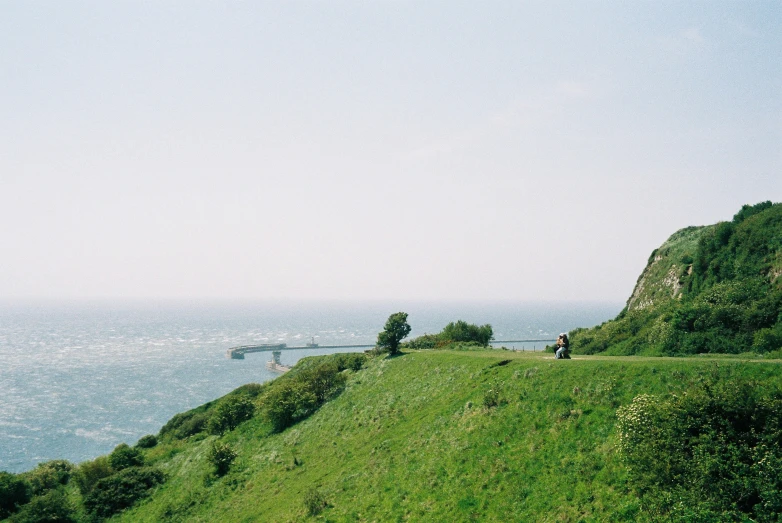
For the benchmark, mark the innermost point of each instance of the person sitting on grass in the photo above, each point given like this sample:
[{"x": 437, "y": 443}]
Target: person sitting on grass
[{"x": 562, "y": 350}]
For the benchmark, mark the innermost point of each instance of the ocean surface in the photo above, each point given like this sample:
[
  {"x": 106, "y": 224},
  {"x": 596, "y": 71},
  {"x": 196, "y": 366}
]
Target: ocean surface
[{"x": 77, "y": 379}]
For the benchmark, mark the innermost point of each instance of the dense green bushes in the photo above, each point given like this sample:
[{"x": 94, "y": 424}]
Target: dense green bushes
[
  {"x": 302, "y": 393},
  {"x": 229, "y": 413},
  {"x": 124, "y": 456},
  {"x": 455, "y": 332},
  {"x": 713, "y": 453},
  {"x": 121, "y": 490},
  {"x": 51, "y": 507},
  {"x": 282, "y": 402},
  {"x": 49, "y": 475},
  {"x": 14, "y": 492}
]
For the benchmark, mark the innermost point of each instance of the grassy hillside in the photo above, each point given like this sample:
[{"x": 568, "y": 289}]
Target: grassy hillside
[
  {"x": 485, "y": 435},
  {"x": 714, "y": 289}
]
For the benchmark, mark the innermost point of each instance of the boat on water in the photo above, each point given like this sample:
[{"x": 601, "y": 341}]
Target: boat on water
[{"x": 312, "y": 343}]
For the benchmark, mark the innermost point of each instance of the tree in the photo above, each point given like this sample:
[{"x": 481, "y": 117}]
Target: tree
[{"x": 394, "y": 332}]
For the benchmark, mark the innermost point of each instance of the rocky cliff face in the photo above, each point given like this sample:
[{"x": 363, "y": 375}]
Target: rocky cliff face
[
  {"x": 716, "y": 288},
  {"x": 668, "y": 270}
]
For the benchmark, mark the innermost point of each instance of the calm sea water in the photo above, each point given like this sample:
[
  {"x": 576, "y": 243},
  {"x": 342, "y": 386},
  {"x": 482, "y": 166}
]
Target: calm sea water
[{"x": 78, "y": 379}]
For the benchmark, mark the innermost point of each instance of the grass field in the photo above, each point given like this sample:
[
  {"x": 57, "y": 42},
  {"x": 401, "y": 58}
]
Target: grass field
[{"x": 487, "y": 435}]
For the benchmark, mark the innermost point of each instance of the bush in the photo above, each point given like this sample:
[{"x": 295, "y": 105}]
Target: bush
[
  {"x": 186, "y": 424},
  {"x": 221, "y": 456},
  {"x": 461, "y": 331},
  {"x": 90, "y": 472},
  {"x": 147, "y": 442},
  {"x": 123, "y": 457},
  {"x": 229, "y": 413},
  {"x": 49, "y": 475},
  {"x": 352, "y": 360},
  {"x": 722, "y": 445},
  {"x": 121, "y": 490},
  {"x": 287, "y": 403},
  {"x": 314, "y": 502},
  {"x": 302, "y": 391},
  {"x": 14, "y": 492},
  {"x": 52, "y": 507}
]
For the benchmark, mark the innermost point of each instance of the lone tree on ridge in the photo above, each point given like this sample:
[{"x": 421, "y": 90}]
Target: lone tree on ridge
[{"x": 394, "y": 332}]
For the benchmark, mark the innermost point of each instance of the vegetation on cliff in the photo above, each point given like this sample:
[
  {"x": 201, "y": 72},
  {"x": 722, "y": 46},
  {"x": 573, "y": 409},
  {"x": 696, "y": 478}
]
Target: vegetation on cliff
[{"x": 714, "y": 289}]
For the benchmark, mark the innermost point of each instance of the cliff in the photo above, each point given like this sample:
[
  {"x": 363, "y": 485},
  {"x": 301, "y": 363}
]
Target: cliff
[{"x": 714, "y": 288}]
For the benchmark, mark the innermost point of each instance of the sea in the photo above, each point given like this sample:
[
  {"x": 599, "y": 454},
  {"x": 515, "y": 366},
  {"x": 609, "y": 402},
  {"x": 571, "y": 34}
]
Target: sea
[{"x": 79, "y": 378}]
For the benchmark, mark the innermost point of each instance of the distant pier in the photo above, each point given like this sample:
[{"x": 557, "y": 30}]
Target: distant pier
[{"x": 237, "y": 353}]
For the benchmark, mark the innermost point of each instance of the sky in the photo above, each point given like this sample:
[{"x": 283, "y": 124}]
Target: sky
[{"x": 370, "y": 150}]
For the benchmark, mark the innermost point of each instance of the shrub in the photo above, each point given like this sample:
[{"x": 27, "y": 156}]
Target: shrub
[
  {"x": 722, "y": 445},
  {"x": 186, "y": 424},
  {"x": 52, "y": 507},
  {"x": 49, "y": 475},
  {"x": 14, "y": 491},
  {"x": 352, "y": 360},
  {"x": 221, "y": 456},
  {"x": 124, "y": 456},
  {"x": 468, "y": 332},
  {"x": 458, "y": 333},
  {"x": 314, "y": 502},
  {"x": 229, "y": 413},
  {"x": 90, "y": 472},
  {"x": 491, "y": 398},
  {"x": 288, "y": 402},
  {"x": 323, "y": 381},
  {"x": 121, "y": 490},
  {"x": 147, "y": 442}
]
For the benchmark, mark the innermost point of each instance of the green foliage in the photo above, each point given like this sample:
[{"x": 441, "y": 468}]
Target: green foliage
[
  {"x": 124, "y": 456},
  {"x": 302, "y": 391},
  {"x": 147, "y": 442},
  {"x": 456, "y": 334},
  {"x": 314, "y": 502},
  {"x": 186, "y": 424},
  {"x": 229, "y": 413},
  {"x": 461, "y": 331},
  {"x": 121, "y": 490},
  {"x": 353, "y": 361},
  {"x": 14, "y": 492},
  {"x": 427, "y": 341},
  {"x": 722, "y": 442},
  {"x": 49, "y": 475},
  {"x": 90, "y": 472},
  {"x": 287, "y": 403},
  {"x": 728, "y": 301},
  {"x": 51, "y": 507},
  {"x": 221, "y": 456},
  {"x": 393, "y": 333}
]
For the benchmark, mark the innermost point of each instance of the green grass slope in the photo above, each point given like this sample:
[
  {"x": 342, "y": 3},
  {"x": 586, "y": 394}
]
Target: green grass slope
[
  {"x": 714, "y": 289},
  {"x": 440, "y": 436}
]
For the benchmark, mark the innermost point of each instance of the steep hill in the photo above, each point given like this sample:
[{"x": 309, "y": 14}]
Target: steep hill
[
  {"x": 485, "y": 435},
  {"x": 706, "y": 289}
]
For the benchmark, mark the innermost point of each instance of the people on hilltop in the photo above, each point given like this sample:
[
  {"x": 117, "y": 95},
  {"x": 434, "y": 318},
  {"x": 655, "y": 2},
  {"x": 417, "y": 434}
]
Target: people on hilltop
[{"x": 563, "y": 347}]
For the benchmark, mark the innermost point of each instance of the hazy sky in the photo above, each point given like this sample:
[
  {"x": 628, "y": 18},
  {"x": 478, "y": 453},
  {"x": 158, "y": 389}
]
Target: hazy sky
[{"x": 375, "y": 150}]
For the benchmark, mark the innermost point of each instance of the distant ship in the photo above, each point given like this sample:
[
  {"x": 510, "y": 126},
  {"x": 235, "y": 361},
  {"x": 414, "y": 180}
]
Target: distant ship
[{"x": 312, "y": 344}]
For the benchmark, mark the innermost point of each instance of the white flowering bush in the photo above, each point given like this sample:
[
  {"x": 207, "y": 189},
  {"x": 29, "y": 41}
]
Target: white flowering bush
[
  {"x": 634, "y": 422},
  {"x": 713, "y": 453}
]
